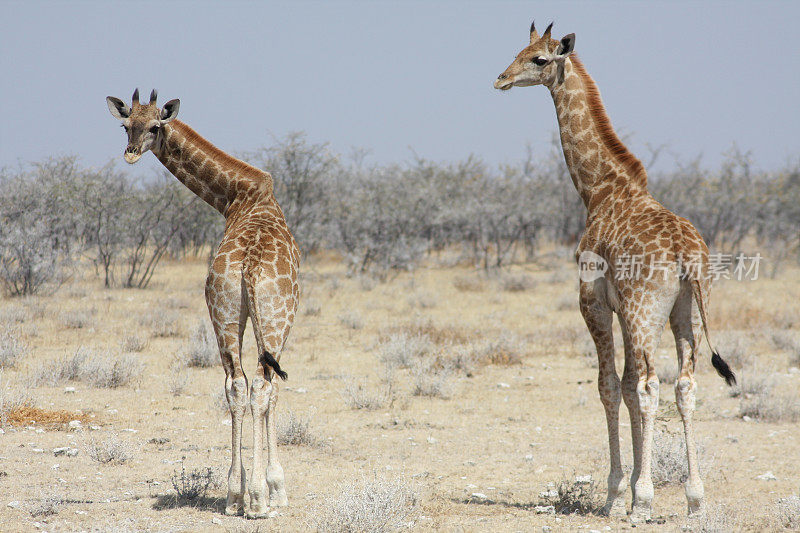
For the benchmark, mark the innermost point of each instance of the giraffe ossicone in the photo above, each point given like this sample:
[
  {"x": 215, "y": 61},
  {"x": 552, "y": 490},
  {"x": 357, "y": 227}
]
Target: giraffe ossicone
[
  {"x": 253, "y": 275},
  {"x": 624, "y": 220}
]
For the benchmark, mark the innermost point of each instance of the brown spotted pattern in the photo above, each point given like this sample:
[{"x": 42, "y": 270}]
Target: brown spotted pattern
[
  {"x": 625, "y": 221},
  {"x": 253, "y": 275}
]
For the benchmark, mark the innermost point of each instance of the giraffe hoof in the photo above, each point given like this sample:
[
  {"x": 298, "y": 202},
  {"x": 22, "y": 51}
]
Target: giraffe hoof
[
  {"x": 640, "y": 515},
  {"x": 615, "y": 509},
  {"x": 250, "y": 515},
  {"x": 234, "y": 510},
  {"x": 280, "y": 501}
]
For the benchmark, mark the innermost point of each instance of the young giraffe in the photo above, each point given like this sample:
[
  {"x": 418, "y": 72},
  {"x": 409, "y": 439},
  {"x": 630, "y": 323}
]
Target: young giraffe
[
  {"x": 254, "y": 273},
  {"x": 625, "y": 222}
]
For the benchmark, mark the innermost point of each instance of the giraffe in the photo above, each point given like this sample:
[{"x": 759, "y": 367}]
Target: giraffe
[
  {"x": 254, "y": 274},
  {"x": 625, "y": 222}
]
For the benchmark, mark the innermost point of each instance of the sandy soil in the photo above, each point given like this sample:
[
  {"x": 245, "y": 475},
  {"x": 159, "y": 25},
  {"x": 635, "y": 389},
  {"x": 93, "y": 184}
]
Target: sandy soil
[{"x": 504, "y": 431}]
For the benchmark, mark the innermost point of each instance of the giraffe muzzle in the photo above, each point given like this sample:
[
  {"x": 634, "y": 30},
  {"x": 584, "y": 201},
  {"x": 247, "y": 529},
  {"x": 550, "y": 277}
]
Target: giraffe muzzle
[
  {"x": 503, "y": 82},
  {"x": 132, "y": 155}
]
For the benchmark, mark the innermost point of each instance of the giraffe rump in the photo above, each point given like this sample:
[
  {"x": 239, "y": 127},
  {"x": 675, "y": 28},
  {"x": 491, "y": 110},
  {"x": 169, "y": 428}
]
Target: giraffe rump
[{"x": 270, "y": 360}]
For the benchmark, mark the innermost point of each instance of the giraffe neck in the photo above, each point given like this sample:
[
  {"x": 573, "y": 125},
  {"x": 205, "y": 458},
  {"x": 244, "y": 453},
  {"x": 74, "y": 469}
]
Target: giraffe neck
[
  {"x": 601, "y": 167},
  {"x": 216, "y": 177}
]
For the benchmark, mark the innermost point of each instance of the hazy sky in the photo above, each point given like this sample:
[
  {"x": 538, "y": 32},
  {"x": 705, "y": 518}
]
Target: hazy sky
[{"x": 396, "y": 76}]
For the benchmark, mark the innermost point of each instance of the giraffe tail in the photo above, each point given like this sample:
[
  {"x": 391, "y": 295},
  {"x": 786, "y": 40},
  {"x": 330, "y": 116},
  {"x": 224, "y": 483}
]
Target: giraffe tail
[
  {"x": 719, "y": 364},
  {"x": 272, "y": 362}
]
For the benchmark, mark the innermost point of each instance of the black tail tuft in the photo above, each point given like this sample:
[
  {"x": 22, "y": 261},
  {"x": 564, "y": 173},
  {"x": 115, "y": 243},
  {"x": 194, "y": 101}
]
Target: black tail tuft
[
  {"x": 270, "y": 360},
  {"x": 723, "y": 369}
]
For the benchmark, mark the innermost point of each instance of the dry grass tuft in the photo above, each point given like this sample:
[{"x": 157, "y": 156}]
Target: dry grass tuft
[
  {"x": 669, "y": 458},
  {"x": 111, "y": 451},
  {"x": 12, "y": 347},
  {"x": 203, "y": 351},
  {"x": 162, "y": 323},
  {"x": 376, "y": 505},
  {"x": 357, "y": 395},
  {"x": 78, "y": 319},
  {"x": 191, "y": 488},
  {"x": 504, "y": 349},
  {"x": 296, "y": 431},
  {"x": 48, "y": 504},
  {"x": 402, "y": 349},
  {"x": 351, "y": 319},
  {"x": 100, "y": 369},
  {"x": 133, "y": 343}
]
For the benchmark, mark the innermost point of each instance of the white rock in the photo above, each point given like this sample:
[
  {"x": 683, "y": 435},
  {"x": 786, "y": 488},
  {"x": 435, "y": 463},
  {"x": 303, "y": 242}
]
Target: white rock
[
  {"x": 72, "y": 452},
  {"x": 502, "y": 385},
  {"x": 301, "y": 390},
  {"x": 583, "y": 480},
  {"x": 14, "y": 504},
  {"x": 529, "y": 457},
  {"x": 94, "y": 428},
  {"x": 747, "y": 418},
  {"x": 479, "y": 495},
  {"x": 431, "y": 440},
  {"x": 216, "y": 520},
  {"x": 37, "y": 450},
  {"x": 767, "y": 476},
  {"x": 61, "y": 451},
  {"x": 551, "y": 493},
  {"x": 471, "y": 486},
  {"x": 544, "y": 509},
  {"x": 75, "y": 424},
  {"x": 272, "y": 514},
  {"x": 69, "y": 389},
  {"x": 546, "y": 529}
]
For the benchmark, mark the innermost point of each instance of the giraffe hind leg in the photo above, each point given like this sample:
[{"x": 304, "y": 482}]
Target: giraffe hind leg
[{"x": 687, "y": 330}]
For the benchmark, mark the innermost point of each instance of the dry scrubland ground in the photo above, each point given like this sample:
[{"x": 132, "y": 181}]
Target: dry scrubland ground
[{"x": 459, "y": 399}]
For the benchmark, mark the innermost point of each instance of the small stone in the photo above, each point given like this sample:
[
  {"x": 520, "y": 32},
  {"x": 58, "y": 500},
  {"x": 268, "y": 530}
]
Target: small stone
[
  {"x": 583, "y": 480},
  {"x": 544, "y": 509},
  {"x": 272, "y": 514},
  {"x": 529, "y": 457},
  {"x": 94, "y": 428},
  {"x": 216, "y": 520},
  {"x": 767, "y": 476},
  {"x": 301, "y": 390},
  {"x": 546, "y": 529},
  {"x": 72, "y": 452},
  {"x": 75, "y": 424},
  {"x": 431, "y": 440},
  {"x": 60, "y": 451},
  {"x": 14, "y": 504},
  {"x": 37, "y": 450},
  {"x": 746, "y": 418},
  {"x": 69, "y": 390},
  {"x": 479, "y": 496},
  {"x": 502, "y": 385},
  {"x": 471, "y": 486}
]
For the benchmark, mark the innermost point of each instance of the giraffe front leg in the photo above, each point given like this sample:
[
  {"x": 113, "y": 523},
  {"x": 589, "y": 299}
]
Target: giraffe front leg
[
  {"x": 598, "y": 320},
  {"x": 275, "y": 478},
  {"x": 236, "y": 393},
  {"x": 259, "y": 400}
]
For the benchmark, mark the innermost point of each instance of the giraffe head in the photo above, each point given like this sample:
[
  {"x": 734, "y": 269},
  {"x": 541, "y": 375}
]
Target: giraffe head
[
  {"x": 539, "y": 63},
  {"x": 142, "y": 123}
]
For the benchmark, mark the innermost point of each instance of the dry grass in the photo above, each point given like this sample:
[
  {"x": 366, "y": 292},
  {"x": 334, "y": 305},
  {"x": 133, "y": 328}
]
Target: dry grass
[
  {"x": 516, "y": 282},
  {"x": 12, "y": 347},
  {"x": 191, "y": 488},
  {"x": 48, "y": 504},
  {"x": 578, "y": 496},
  {"x": 669, "y": 459},
  {"x": 162, "y": 322},
  {"x": 203, "y": 351},
  {"x": 294, "y": 430},
  {"x": 99, "y": 368},
  {"x": 470, "y": 283},
  {"x": 133, "y": 343},
  {"x": 378, "y": 505},
  {"x": 111, "y": 451}
]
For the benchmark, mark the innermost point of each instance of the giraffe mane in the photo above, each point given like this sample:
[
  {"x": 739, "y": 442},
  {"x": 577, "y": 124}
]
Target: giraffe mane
[
  {"x": 215, "y": 153},
  {"x": 605, "y": 130}
]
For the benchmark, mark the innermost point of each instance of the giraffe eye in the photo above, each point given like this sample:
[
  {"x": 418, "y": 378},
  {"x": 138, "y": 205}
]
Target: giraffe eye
[{"x": 539, "y": 61}]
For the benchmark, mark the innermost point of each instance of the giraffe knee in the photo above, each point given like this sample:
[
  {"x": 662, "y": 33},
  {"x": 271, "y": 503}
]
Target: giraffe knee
[
  {"x": 260, "y": 391},
  {"x": 236, "y": 393},
  {"x": 647, "y": 393},
  {"x": 685, "y": 395}
]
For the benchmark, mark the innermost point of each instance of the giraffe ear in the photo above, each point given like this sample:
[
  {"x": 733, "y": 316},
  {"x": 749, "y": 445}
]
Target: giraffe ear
[
  {"x": 567, "y": 45},
  {"x": 170, "y": 111},
  {"x": 118, "y": 108}
]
